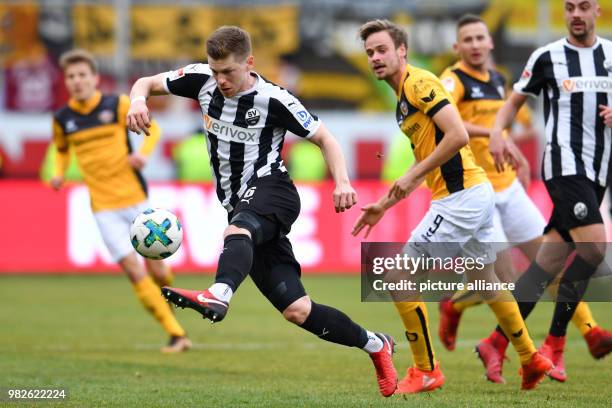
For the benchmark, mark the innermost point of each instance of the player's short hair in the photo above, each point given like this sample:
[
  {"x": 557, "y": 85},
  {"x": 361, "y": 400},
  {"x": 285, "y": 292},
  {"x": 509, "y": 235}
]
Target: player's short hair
[
  {"x": 397, "y": 33},
  {"x": 228, "y": 40},
  {"x": 76, "y": 56},
  {"x": 468, "y": 19}
]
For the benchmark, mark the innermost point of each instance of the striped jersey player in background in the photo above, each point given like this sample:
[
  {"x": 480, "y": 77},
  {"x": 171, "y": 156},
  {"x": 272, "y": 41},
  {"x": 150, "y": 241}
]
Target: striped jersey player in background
[
  {"x": 574, "y": 76},
  {"x": 246, "y": 118},
  {"x": 93, "y": 125},
  {"x": 479, "y": 93}
]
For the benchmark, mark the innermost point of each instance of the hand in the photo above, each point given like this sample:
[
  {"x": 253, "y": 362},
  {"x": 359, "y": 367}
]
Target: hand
[
  {"x": 606, "y": 114},
  {"x": 344, "y": 197},
  {"x": 404, "y": 186},
  {"x": 501, "y": 151},
  {"x": 371, "y": 214},
  {"x": 57, "y": 182},
  {"x": 139, "y": 118},
  {"x": 137, "y": 160}
]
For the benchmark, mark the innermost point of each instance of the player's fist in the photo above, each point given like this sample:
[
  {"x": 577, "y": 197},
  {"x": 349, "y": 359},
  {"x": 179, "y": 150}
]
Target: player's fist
[
  {"x": 344, "y": 197},
  {"x": 137, "y": 160},
  {"x": 57, "y": 182},
  {"x": 605, "y": 112},
  {"x": 370, "y": 215},
  {"x": 139, "y": 117}
]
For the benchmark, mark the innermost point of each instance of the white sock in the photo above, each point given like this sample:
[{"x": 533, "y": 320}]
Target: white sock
[
  {"x": 374, "y": 343},
  {"x": 221, "y": 291}
]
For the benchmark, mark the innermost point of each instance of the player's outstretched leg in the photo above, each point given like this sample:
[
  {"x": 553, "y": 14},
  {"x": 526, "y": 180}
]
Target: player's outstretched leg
[
  {"x": 332, "y": 325},
  {"x": 451, "y": 310},
  {"x": 234, "y": 265},
  {"x": 425, "y": 375}
]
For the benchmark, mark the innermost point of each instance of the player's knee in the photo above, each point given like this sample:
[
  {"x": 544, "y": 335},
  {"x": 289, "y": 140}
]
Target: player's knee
[
  {"x": 132, "y": 267},
  {"x": 298, "y": 311},
  {"x": 234, "y": 230},
  {"x": 592, "y": 253}
]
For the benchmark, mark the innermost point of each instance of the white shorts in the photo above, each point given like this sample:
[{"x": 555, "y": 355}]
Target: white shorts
[
  {"x": 460, "y": 224},
  {"x": 114, "y": 226},
  {"x": 516, "y": 219}
]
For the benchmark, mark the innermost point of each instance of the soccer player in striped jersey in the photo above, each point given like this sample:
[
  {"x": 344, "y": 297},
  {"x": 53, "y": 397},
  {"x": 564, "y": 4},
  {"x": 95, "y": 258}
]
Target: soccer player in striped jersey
[
  {"x": 479, "y": 94},
  {"x": 459, "y": 222},
  {"x": 93, "y": 125},
  {"x": 574, "y": 75},
  {"x": 245, "y": 120}
]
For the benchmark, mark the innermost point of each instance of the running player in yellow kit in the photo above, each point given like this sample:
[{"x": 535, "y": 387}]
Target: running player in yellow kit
[
  {"x": 461, "y": 212},
  {"x": 94, "y": 126}
]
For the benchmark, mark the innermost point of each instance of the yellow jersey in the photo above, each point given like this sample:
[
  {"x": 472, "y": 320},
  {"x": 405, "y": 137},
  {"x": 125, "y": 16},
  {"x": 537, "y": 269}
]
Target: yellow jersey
[
  {"x": 479, "y": 97},
  {"x": 96, "y": 131},
  {"x": 420, "y": 96}
]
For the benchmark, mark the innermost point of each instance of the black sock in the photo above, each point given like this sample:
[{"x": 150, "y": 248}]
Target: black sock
[
  {"x": 573, "y": 284},
  {"x": 235, "y": 261},
  {"x": 529, "y": 289},
  {"x": 332, "y": 325}
]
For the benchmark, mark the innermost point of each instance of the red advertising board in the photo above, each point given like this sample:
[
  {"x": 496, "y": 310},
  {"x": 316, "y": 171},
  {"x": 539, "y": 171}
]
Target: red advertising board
[{"x": 48, "y": 231}]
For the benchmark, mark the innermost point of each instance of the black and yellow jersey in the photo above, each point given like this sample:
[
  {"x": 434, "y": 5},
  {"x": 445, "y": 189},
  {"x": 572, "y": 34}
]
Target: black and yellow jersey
[
  {"x": 96, "y": 131},
  {"x": 420, "y": 96},
  {"x": 479, "y": 97}
]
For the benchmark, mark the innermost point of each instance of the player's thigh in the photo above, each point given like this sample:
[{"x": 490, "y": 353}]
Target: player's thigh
[
  {"x": 520, "y": 218},
  {"x": 115, "y": 231},
  {"x": 277, "y": 274}
]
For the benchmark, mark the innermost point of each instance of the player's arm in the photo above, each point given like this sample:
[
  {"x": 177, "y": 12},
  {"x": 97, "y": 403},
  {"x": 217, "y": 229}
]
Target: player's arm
[
  {"x": 499, "y": 148},
  {"x": 138, "y": 159},
  {"x": 138, "y": 116},
  {"x": 605, "y": 112},
  {"x": 344, "y": 195},
  {"x": 62, "y": 156}
]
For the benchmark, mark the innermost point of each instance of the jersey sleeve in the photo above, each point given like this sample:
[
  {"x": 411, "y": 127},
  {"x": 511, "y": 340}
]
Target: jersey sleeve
[
  {"x": 187, "y": 81},
  {"x": 453, "y": 85},
  {"x": 427, "y": 94},
  {"x": 288, "y": 113},
  {"x": 62, "y": 153},
  {"x": 532, "y": 80}
]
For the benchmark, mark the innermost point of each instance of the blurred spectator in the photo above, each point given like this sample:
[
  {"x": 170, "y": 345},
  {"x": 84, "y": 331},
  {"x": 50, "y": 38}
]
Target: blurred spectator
[
  {"x": 191, "y": 158},
  {"x": 398, "y": 158},
  {"x": 48, "y": 166},
  {"x": 306, "y": 162}
]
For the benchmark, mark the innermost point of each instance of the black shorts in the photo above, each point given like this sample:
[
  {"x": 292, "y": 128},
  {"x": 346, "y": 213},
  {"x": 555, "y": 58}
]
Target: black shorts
[
  {"x": 275, "y": 202},
  {"x": 576, "y": 201}
]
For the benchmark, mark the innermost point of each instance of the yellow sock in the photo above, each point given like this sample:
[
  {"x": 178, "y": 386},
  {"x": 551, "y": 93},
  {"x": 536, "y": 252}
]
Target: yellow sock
[
  {"x": 509, "y": 318},
  {"x": 463, "y": 299},
  {"x": 583, "y": 319},
  {"x": 149, "y": 295},
  {"x": 165, "y": 280},
  {"x": 414, "y": 316}
]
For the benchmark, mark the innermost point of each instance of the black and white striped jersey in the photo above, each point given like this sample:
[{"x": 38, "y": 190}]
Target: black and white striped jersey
[
  {"x": 574, "y": 82},
  {"x": 245, "y": 133}
]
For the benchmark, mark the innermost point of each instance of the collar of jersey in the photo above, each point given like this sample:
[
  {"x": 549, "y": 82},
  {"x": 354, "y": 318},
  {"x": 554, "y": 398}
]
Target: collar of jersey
[
  {"x": 473, "y": 73},
  {"x": 573, "y": 47},
  {"x": 405, "y": 74},
  {"x": 251, "y": 89},
  {"x": 87, "y": 106}
]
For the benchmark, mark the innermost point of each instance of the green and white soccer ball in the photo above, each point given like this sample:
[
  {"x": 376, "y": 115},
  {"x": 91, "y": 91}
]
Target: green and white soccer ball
[{"x": 156, "y": 233}]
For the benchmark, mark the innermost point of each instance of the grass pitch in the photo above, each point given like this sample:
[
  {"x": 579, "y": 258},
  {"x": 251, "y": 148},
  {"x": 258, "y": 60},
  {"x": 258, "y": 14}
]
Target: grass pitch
[{"x": 90, "y": 335}]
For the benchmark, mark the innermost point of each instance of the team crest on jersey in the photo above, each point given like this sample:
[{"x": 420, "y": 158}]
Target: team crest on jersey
[
  {"x": 581, "y": 210},
  {"x": 404, "y": 108},
  {"x": 106, "y": 116},
  {"x": 449, "y": 83},
  {"x": 71, "y": 126},
  {"x": 252, "y": 117}
]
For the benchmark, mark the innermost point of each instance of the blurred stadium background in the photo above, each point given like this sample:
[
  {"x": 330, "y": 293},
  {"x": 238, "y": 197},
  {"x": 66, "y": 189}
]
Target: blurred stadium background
[
  {"x": 309, "y": 47},
  {"x": 87, "y": 332}
]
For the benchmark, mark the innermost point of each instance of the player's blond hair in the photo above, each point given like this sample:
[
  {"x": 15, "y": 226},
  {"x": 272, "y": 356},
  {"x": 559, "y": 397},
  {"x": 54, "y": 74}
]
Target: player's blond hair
[
  {"x": 397, "y": 33},
  {"x": 77, "y": 56},
  {"x": 228, "y": 40}
]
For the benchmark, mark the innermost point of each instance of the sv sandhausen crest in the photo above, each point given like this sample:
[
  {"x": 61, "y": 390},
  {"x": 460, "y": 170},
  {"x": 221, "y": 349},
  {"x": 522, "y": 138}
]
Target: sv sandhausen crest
[{"x": 252, "y": 117}]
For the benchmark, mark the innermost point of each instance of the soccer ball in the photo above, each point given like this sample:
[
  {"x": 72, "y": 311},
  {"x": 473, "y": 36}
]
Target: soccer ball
[{"x": 156, "y": 233}]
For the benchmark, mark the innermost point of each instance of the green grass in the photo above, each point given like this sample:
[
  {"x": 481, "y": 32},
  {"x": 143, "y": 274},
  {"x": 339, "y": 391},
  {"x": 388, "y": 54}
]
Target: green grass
[{"x": 89, "y": 334}]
